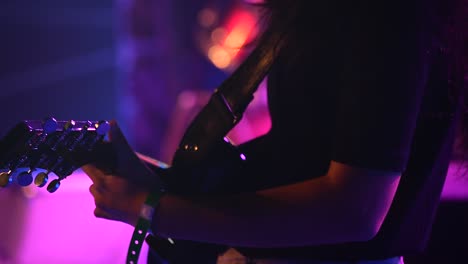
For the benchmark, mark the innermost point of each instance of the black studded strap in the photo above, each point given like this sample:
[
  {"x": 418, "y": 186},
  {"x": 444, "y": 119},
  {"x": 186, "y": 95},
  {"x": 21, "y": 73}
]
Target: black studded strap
[{"x": 142, "y": 227}]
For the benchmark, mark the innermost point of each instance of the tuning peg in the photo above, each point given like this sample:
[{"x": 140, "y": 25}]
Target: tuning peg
[
  {"x": 69, "y": 125},
  {"x": 5, "y": 178},
  {"x": 67, "y": 128},
  {"x": 49, "y": 125},
  {"x": 102, "y": 127},
  {"x": 87, "y": 125},
  {"x": 41, "y": 179},
  {"x": 75, "y": 141},
  {"x": 53, "y": 185},
  {"x": 25, "y": 178}
]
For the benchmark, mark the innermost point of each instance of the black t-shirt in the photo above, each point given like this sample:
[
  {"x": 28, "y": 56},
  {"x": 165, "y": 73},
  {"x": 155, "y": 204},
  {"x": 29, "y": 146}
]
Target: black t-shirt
[
  {"x": 366, "y": 88},
  {"x": 360, "y": 83}
]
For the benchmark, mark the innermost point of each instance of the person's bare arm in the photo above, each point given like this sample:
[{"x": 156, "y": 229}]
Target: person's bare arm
[{"x": 347, "y": 204}]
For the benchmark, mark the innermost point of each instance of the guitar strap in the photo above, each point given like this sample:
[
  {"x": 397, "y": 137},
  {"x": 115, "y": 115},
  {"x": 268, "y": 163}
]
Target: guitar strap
[{"x": 228, "y": 102}]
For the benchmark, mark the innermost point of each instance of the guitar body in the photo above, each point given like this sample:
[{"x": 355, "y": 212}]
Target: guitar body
[{"x": 187, "y": 177}]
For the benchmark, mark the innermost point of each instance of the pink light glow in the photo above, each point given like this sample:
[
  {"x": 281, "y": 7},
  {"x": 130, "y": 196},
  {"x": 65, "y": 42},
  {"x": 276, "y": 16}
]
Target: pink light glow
[
  {"x": 456, "y": 185},
  {"x": 256, "y": 120},
  {"x": 239, "y": 29},
  {"x": 61, "y": 228},
  {"x": 242, "y": 156}
]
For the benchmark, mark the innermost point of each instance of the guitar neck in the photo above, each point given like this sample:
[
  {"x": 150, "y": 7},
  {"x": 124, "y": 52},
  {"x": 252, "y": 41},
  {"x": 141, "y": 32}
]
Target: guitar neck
[{"x": 38, "y": 147}]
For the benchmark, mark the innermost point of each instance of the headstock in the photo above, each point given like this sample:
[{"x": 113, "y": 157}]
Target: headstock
[{"x": 34, "y": 149}]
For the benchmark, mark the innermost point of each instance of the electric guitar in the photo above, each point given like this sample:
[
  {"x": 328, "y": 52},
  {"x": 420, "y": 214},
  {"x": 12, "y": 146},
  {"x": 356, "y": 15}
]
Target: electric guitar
[{"x": 45, "y": 152}]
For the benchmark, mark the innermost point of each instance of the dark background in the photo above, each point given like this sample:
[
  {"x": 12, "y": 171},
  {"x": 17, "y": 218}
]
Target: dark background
[{"x": 57, "y": 58}]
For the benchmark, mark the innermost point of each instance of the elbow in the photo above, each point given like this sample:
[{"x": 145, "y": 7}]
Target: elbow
[
  {"x": 358, "y": 228},
  {"x": 368, "y": 215},
  {"x": 362, "y": 225},
  {"x": 369, "y": 231},
  {"x": 364, "y": 197}
]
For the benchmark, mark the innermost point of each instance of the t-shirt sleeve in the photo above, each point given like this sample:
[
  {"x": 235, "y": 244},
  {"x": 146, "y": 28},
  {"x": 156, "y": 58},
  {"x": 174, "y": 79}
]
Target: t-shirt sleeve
[{"x": 382, "y": 80}]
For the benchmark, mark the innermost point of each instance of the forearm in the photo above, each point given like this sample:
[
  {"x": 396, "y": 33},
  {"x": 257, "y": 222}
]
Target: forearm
[{"x": 317, "y": 211}]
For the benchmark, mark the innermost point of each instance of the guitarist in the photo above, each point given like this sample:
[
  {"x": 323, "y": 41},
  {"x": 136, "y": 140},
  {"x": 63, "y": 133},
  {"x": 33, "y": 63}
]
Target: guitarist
[{"x": 364, "y": 98}]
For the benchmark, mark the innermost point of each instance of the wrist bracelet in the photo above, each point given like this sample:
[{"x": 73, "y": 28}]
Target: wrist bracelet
[{"x": 142, "y": 226}]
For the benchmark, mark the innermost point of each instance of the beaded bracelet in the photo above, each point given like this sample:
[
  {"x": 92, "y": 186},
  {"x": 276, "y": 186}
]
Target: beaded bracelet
[{"x": 142, "y": 226}]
